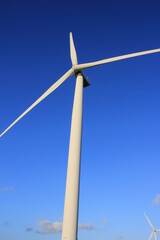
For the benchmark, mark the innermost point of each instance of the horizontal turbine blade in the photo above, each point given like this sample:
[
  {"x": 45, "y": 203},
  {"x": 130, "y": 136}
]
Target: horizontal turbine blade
[
  {"x": 113, "y": 59},
  {"x": 149, "y": 221},
  {"x": 157, "y": 230},
  {"x": 44, "y": 95}
]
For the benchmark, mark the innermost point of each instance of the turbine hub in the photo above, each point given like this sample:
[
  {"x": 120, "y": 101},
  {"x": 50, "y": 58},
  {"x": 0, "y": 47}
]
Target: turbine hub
[{"x": 74, "y": 67}]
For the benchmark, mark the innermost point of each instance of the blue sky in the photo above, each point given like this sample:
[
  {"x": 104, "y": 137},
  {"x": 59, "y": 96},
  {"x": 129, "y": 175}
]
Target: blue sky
[{"x": 120, "y": 168}]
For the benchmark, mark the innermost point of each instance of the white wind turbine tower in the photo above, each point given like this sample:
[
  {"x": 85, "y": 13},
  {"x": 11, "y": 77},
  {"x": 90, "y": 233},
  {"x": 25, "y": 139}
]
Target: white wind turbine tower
[
  {"x": 70, "y": 218},
  {"x": 154, "y": 230}
]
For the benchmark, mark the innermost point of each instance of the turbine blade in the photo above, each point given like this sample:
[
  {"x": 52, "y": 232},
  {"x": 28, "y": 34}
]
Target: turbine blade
[
  {"x": 157, "y": 230},
  {"x": 44, "y": 95},
  {"x": 73, "y": 51},
  {"x": 149, "y": 221},
  {"x": 113, "y": 59},
  {"x": 155, "y": 236},
  {"x": 151, "y": 236}
]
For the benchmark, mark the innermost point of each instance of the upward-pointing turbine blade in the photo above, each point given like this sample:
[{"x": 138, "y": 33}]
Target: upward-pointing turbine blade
[
  {"x": 73, "y": 51},
  {"x": 149, "y": 221},
  {"x": 113, "y": 59},
  {"x": 44, "y": 95}
]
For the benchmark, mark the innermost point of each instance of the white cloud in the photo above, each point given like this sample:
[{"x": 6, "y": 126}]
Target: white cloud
[
  {"x": 7, "y": 223},
  {"x": 86, "y": 226},
  {"x": 29, "y": 229},
  {"x": 120, "y": 237},
  {"x": 47, "y": 227},
  {"x": 156, "y": 200},
  {"x": 105, "y": 222},
  {"x": 7, "y": 189}
]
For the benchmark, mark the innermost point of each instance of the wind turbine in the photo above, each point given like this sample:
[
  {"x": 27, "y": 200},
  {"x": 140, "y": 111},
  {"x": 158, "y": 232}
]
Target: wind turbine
[
  {"x": 70, "y": 218},
  {"x": 154, "y": 230}
]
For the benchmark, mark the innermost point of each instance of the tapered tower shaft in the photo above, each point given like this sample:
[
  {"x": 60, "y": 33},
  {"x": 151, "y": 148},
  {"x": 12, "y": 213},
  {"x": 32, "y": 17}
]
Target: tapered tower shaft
[{"x": 70, "y": 218}]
